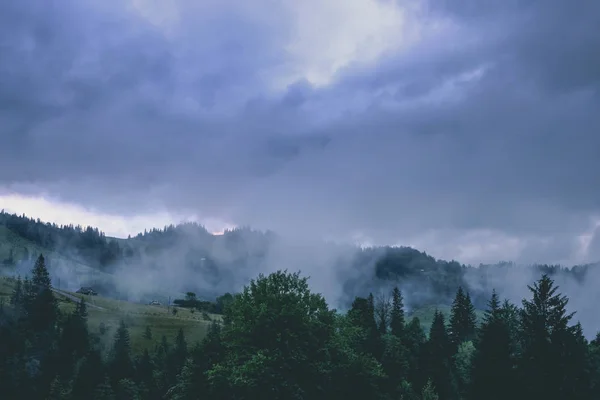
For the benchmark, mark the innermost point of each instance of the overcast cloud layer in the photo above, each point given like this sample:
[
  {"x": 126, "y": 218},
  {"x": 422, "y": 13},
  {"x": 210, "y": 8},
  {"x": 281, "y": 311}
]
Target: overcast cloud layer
[{"x": 468, "y": 131}]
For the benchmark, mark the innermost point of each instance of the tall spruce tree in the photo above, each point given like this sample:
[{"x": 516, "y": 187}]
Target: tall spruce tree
[
  {"x": 492, "y": 374},
  {"x": 550, "y": 346},
  {"x": 415, "y": 342},
  {"x": 121, "y": 364},
  {"x": 397, "y": 314},
  {"x": 439, "y": 359},
  {"x": 42, "y": 307},
  {"x": 462, "y": 319}
]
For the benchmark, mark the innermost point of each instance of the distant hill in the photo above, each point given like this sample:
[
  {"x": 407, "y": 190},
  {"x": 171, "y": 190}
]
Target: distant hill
[{"x": 170, "y": 261}]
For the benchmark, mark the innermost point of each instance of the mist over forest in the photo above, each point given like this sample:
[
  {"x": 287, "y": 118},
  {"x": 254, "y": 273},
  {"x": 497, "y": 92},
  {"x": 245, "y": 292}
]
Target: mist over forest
[{"x": 167, "y": 262}]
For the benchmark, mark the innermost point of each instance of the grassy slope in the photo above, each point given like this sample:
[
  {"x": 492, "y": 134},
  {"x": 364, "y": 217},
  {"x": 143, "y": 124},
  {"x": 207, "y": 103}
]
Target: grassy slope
[{"x": 136, "y": 316}]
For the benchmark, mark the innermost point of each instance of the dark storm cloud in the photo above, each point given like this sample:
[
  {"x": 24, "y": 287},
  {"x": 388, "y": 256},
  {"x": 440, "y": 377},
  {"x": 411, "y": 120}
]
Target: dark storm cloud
[{"x": 490, "y": 125}]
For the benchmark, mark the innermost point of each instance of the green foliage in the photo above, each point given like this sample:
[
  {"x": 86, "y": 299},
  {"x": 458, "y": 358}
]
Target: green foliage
[
  {"x": 462, "y": 319},
  {"x": 553, "y": 364},
  {"x": 40, "y": 304},
  {"x": 278, "y": 340},
  {"x": 121, "y": 364},
  {"x": 397, "y": 313},
  {"x": 362, "y": 314},
  {"x": 493, "y": 373},
  {"x": 395, "y": 363},
  {"x": 439, "y": 363},
  {"x": 428, "y": 392},
  {"x": 58, "y": 391},
  {"x": 463, "y": 360},
  {"x": 103, "y": 391},
  {"x": 276, "y": 335}
]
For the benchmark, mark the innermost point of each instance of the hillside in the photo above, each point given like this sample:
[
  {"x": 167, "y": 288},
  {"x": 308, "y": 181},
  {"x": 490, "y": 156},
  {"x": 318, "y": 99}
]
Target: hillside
[
  {"x": 168, "y": 262},
  {"x": 106, "y": 313}
]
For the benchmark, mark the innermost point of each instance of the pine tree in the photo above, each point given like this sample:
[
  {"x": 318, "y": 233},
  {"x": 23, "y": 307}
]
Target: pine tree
[
  {"x": 176, "y": 358},
  {"x": 551, "y": 347},
  {"x": 180, "y": 349},
  {"x": 145, "y": 373},
  {"x": 395, "y": 363},
  {"x": 492, "y": 373},
  {"x": 74, "y": 340},
  {"x": 397, "y": 314},
  {"x": 40, "y": 275},
  {"x": 121, "y": 365},
  {"x": 42, "y": 307},
  {"x": 415, "y": 343},
  {"x": 594, "y": 354},
  {"x": 462, "y": 319},
  {"x": 89, "y": 375},
  {"x": 439, "y": 358}
]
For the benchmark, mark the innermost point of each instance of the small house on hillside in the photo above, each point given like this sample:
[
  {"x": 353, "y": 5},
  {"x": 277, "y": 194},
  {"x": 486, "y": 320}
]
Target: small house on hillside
[
  {"x": 154, "y": 303},
  {"x": 87, "y": 291}
]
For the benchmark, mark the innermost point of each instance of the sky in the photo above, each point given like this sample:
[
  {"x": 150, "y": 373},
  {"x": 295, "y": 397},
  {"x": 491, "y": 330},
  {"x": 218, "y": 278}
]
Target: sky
[{"x": 470, "y": 129}]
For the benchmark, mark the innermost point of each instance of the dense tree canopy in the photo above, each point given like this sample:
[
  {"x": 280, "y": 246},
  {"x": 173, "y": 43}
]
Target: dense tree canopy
[{"x": 278, "y": 340}]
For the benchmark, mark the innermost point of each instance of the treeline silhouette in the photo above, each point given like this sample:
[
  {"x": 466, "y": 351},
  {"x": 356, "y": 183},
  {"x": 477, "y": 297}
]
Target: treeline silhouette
[
  {"x": 241, "y": 253},
  {"x": 280, "y": 341}
]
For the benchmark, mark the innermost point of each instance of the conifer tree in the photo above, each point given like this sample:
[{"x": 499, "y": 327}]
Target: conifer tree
[
  {"x": 414, "y": 343},
  {"x": 462, "y": 319},
  {"x": 395, "y": 363},
  {"x": 397, "y": 314},
  {"x": 145, "y": 374},
  {"x": 550, "y": 346},
  {"x": 176, "y": 358},
  {"x": 492, "y": 373},
  {"x": 89, "y": 375},
  {"x": 439, "y": 359},
  {"x": 42, "y": 308},
  {"x": 74, "y": 340},
  {"x": 121, "y": 365},
  {"x": 40, "y": 277},
  {"x": 594, "y": 356}
]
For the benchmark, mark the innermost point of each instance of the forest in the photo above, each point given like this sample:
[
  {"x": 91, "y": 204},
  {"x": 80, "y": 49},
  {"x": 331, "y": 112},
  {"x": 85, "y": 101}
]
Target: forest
[
  {"x": 279, "y": 340},
  {"x": 212, "y": 265}
]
